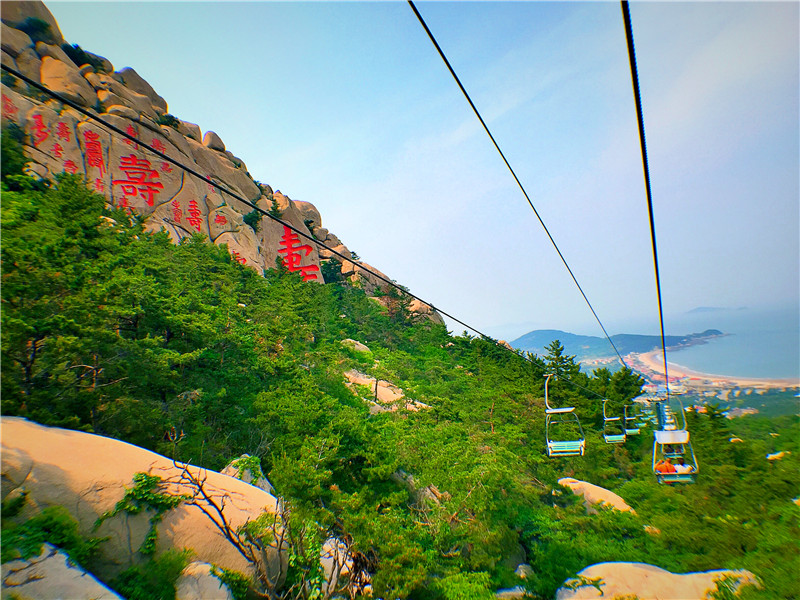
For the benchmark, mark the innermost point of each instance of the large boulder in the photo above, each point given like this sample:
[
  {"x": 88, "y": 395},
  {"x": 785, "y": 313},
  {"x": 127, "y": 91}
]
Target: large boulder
[
  {"x": 14, "y": 41},
  {"x": 15, "y": 14},
  {"x": 88, "y": 474},
  {"x": 247, "y": 469},
  {"x": 134, "y": 81},
  {"x": 65, "y": 79},
  {"x": 51, "y": 575},
  {"x": 624, "y": 579},
  {"x": 198, "y": 582},
  {"x": 594, "y": 494},
  {"x": 214, "y": 142},
  {"x": 30, "y": 65}
]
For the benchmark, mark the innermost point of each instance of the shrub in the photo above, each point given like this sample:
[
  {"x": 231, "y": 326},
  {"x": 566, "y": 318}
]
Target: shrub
[
  {"x": 80, "y": 57},
  {"x": 54, "y": 525},
  {"x": 331, "y": 271},
  {"x": 274, "y": 210},
  {"x": 154, "y": 580},
  {"x": 144, "y": 495},
  {"x": 37, "y": 30},
  {"x": 253, "y": 219},
  {"x": 238, "y": 583},
  {"x": 168, "y": 120}
]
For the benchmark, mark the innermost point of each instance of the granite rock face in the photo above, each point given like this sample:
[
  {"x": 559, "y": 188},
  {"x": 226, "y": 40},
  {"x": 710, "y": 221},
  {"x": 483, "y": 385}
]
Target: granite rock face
[
  {"x": 623, "y": 579},
  {"x": 198, "y": 582},
  {"x": 213, "y": 202},
  {"x": 594, "y": 495},
  {"x": 51, "y": 575},
  {"x": 88, "y": 474}
]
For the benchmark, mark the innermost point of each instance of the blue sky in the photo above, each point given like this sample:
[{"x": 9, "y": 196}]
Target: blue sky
[{"x": 348, "y": 106}]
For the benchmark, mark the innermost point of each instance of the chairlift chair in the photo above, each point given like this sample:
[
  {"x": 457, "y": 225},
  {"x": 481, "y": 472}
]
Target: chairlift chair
[
  {"x": 674, "y": 443},
  {"x": 613, "y": 428},
  {"x": 554, "y": 416},
  {"x": 631, "y": 425}
]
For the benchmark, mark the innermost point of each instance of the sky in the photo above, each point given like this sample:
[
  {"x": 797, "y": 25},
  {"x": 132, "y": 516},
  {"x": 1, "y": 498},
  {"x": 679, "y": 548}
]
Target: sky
[{"x": 347, "y": 105}]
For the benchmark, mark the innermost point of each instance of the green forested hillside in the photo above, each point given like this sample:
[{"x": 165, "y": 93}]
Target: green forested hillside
[{"x": 182, "y": 350}]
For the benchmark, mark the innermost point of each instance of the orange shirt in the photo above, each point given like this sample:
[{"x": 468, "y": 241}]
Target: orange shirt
[{"x": 665, "y": 467}]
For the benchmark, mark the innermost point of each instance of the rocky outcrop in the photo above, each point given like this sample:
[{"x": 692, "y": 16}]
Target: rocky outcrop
[
  {"x": 242, "y": 468},
  {"x": 60, "y": 139},
  {"x": 198, "y": 582},
  {"x": 16, "y": 13},
  {"x": 88, "y": 474},
  {"x": 384, "y": 394},
  {"x": 356, "y": 346},
  {"x": 622, "y": 579},
  {"x": 52, "y": 575},
  {"x": 594, "y": 494}
]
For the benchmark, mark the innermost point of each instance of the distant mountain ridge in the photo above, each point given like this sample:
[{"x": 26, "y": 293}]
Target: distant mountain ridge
[{"x": 588, "y": 347}]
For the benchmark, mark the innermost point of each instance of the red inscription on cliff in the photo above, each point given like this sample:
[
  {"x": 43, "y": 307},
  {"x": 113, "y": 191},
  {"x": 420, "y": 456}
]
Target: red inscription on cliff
[
  {"x": 9, "y": 108},
  {"x": 131, "y": 131},
  {"x": 70, "y": 167},
  {"x": 63, "y": 132},
  {"x": 94, "y": 151},
  {"x": 40, "y": 131},
  {"x": 58, "y": 151},
  {"x": 290, "y": 247},
  {"x": 176, "y": 211},
  {"x": 195, "y": 214},
  {"x": 141, "y": 179}
]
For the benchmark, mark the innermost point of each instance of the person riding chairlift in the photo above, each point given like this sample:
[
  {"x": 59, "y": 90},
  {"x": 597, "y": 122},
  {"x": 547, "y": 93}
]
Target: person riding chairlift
[
  {"x": 665, "y": 466},
  {"x": 682, "y": 468}
]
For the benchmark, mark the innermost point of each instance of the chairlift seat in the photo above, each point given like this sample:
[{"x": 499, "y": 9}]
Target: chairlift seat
[
  {"x": 615, "y": 439},
  {"x": 672, "y": 436},
  {"x": 632, "y": 431},
  {"x": 675, "y": 477},
  {"x": 559, "y": 411},
  {"x": 566, "y": 448}
]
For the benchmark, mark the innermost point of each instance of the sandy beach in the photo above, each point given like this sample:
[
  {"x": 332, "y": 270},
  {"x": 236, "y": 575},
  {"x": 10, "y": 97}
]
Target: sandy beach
[{"x": 651, "y": 364}]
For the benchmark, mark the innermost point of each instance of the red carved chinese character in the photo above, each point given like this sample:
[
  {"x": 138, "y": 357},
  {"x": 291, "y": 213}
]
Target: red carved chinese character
[
  {"x": 9, "y": 108},
  {"x": 99, "y": 186},
  {"x": 62, "y": 131},
  {"x": 130, "y": 130},
  {"x": 141, "y": 178},
  {"x": 123, "y": 202},
  {"x": 158, "y": 145},
  {"x": 40, "y": 131},
  {"x": 176, "y": 211},
  {"x": 165, "y": 168},
  {"x": 195, "y": 212},
  {"x": 70, "y": 167},
  {"x": 208, "y": 183},
  {"x": 94, "y": 151},
  {"x": 238, "y": 258},
  {"x": 220, "y": 220},
  {"x": 290, "y": 247},
  {"x": 58, "y": 151}
]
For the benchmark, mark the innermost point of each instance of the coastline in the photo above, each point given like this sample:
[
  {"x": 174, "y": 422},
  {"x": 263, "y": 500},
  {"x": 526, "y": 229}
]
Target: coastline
[{"x": 651, "y": 365}]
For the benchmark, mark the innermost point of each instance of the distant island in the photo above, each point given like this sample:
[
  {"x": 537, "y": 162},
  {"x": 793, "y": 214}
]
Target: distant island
[{"x": 587, "y": 347}]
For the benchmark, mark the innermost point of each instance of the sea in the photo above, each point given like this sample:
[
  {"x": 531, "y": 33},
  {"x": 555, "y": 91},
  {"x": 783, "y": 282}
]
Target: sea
[{"x": 763, "y": 343}]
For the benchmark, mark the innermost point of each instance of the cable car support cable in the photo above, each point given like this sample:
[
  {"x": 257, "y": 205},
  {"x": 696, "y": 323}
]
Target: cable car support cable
[
  {"x": 670, "y": 442},
  {"x": 640, "y": 119},
  {"x": 519, "y": 183}
]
